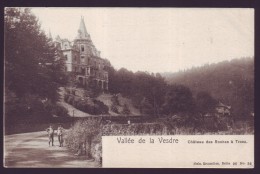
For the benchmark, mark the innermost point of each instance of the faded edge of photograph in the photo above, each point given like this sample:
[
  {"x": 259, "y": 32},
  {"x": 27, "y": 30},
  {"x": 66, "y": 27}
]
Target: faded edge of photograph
[{"x": 162, "y": 71}]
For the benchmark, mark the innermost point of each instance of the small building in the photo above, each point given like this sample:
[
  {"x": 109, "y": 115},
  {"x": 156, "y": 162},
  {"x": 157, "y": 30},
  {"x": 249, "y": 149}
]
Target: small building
[{"x": 223, "y": 110}]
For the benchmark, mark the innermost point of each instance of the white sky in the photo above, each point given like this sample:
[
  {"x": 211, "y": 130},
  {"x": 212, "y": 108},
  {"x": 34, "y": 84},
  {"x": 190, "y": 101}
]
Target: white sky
[{"x": 158, "y": 39}]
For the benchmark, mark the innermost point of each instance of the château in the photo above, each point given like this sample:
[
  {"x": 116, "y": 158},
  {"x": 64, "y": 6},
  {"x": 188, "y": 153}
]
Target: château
[{"x": 82, "y": 58}]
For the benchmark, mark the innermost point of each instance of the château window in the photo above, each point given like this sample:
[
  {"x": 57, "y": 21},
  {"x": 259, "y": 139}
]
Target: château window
[
  {"x": 82, "y": 57},
  {"x": 66, "y": 57},
  {"x": 82, "y": 48}
]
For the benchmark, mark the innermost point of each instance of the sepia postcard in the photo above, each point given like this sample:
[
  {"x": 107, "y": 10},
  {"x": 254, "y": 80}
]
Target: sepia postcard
[{"x": 128, "y": 87}]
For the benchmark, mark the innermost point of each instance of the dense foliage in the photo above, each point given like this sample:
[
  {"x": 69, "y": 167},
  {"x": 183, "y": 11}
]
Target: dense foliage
[
  {"x": 151, "y": 94},
  {"x": 231, "y": 82},
  {"x": 125, "y": 110},
  {"x": 178, "y": 99},
  {"x": 115, "y": 104},
  {"x": 146, "y": 90},
  {"x": 85, "y": 138},
  {"x": 33, "y": 66},
  {"x": 205, "y": 103},
  {"x": 195, "y": 91},
  {"x": 88, "y": 105}
]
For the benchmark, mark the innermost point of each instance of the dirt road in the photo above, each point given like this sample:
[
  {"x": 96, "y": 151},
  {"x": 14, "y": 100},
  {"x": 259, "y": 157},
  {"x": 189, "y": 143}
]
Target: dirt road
[{"x": 31, "y": 150}]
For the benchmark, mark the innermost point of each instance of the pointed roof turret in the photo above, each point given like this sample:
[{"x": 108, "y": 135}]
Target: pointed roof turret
[
  {"x": 58, "y": 39},
  {"x": 82, "y": 31}
]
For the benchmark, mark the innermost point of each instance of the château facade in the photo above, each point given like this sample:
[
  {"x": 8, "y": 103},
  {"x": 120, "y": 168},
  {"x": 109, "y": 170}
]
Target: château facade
[{"x": 82, "y": 58}]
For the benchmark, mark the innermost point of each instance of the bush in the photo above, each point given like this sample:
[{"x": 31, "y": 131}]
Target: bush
[
  {"x": 70, "y": 99},
  {"x": 100, "y": 107},
  {"x": 88, "y": 105},
  {"x": 134, "y": 129},
  {"x": 80, "y": 105},
  {"x": 59, "y": 111},
  {"x": 126, "y": 110},
  {"x": 75, "y": 102},
  {"x": 96, "y": 151},
  {"x": 28, "y": 107},
  {"x": 146, "y": 107},
  {"x": 114, "y": 108},
  {"x": 66, "y": 97},
  {"x": 67, "y": 91},
  {"x": 55, "y": 109},
  {"x": 84, "y": 138},
  {"x": 115, "y": 100}
]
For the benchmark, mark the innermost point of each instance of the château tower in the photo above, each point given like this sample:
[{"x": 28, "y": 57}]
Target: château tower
[{"x": 84, "y": 59}]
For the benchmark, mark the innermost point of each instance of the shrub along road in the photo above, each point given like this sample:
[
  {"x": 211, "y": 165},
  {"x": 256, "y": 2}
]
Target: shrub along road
[{"x": 31, "y": 150}]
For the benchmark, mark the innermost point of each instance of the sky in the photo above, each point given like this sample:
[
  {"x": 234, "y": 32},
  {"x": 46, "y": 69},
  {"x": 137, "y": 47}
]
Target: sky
[{"x": 158, "y": 39}]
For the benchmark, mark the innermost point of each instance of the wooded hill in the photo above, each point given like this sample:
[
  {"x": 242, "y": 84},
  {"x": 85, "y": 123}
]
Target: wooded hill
[{"x": 231, "y": 82}]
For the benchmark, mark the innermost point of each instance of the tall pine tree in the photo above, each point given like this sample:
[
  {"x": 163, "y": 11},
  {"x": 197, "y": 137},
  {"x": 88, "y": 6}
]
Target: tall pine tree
[{"x": 33, "y": 66}]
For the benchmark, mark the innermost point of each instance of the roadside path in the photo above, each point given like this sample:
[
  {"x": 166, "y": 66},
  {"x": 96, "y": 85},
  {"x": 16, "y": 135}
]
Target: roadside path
[
  {"x": 72, "y": 111},
  {"x": 31, "y": 150}
]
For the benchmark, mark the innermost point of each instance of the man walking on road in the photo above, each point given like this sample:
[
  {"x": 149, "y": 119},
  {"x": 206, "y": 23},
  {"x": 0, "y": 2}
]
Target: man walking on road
[
  {"x": 60, "y": 135},
  {"x": 50, "y": 131}
]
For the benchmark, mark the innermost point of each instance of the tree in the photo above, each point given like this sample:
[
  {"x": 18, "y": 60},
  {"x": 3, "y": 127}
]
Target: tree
[
  {"x": 81, "y": 136},
  {"x": 33, "y": 65},
  {"x": 178, "y": 99},
  {"x": 205, "y": 103},
  {"x": 91, "y": 129},
  {"x": 137, "y": 86},
  {"x": 158, "y": 92},
  {"x": 125, "y": 110},
  {"x": 115, "y": 100},
  {"x": 115, "y": 103},
  {"x": 114, "y": 108},
  {"x": 231, "y": 82},
  {"x": 31, "y": 62},
  {"x": 113, "y": 80},
  {"x": 146, "y": 107}
]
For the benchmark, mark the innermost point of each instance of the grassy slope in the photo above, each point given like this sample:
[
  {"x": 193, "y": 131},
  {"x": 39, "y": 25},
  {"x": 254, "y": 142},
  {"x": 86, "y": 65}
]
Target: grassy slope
[
  {"x": 105, "y": 98},
  {"x": 71, "y": 109}
]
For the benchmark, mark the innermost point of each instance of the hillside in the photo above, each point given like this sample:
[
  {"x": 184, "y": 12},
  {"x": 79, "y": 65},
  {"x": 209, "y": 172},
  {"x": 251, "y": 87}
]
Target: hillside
[
  {"x": 231, "y": 82},
  {"x": 103, "y": 97},
  {"x": 72, "y": 111},
  {"x": 106, "y": 99}
]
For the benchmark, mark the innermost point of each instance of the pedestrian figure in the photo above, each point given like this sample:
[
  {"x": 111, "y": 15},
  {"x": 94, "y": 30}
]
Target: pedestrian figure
[
  {"x": 50, "y": 131},
  {"x": 60, "y": 135}
]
